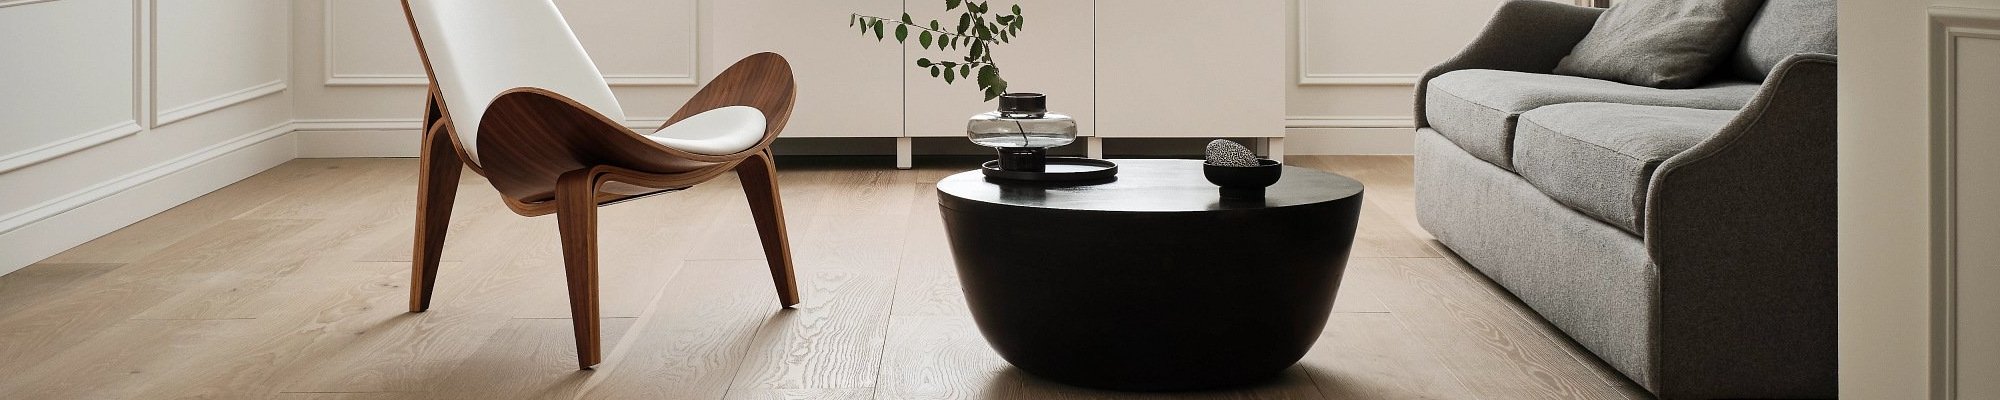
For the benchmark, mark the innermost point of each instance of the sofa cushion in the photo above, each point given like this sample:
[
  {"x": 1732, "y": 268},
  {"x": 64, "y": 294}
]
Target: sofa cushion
[
  {"x": 1476, "y": 108},
  {"x": 1671, "y": 44},
  {"x": 1784, "y": 28},
  {"x": 1599, "y": 157}
]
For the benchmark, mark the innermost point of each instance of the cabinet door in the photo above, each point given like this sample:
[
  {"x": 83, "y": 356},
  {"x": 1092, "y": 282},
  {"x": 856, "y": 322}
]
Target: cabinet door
[
  {"x": 848, "y": 86},
  {"x": 1052, "y": 56},
  {"x": 1188, "y": 68}
]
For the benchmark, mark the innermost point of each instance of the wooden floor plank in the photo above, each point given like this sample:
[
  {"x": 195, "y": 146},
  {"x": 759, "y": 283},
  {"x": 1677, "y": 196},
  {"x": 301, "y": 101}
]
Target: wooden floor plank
[
  {"x": 305, "y": 327},
  {"x": 39, "y": 331},
  {"x": 528, "y": 358},
  {"x": 832, "y": 340},
  {"x": 693, "y": 340},
  {"x": 1496, "y": 352},
  {"x": 292, "y": 285},
  {"x": 119, "y": 361},
  {"x": 38, "y": 283},
  {"x": 1373, "y": 356},
  {"x": 800, "y": 394}
]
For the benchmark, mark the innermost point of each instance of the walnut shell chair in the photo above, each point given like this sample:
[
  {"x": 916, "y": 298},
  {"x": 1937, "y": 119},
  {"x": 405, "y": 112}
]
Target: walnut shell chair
[{"x": 514, "y": 97}]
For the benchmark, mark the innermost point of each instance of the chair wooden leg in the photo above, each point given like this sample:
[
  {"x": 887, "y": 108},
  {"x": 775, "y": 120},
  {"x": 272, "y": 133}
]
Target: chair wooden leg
[
  {"x": 576, "y": 215},
  {"x": 760, "y": 184},
  {"x": 437, "y": 184}
]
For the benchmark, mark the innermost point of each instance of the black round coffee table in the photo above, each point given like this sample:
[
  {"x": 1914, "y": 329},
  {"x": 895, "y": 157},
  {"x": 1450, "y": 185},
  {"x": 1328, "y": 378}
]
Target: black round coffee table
[{"x": 1151, "y": 282}]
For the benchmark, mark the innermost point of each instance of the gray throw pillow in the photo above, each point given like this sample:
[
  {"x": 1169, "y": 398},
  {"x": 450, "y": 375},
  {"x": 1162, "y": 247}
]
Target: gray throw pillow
[
  {"x": 1784, "y": 28},
  {"x": 1669, "y": 44}
]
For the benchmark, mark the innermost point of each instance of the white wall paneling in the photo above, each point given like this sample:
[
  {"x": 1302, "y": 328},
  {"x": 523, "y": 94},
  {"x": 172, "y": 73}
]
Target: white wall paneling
[
  {"x": 633, "y": 42},
  {"x": 83, "y": 88},
  {"x": 1381, "y": 42},
  {"x": 117, "y": 109},
  {"x": 1965, "y": 48},
  {"x": 848, "y": 86},
  {"x": 1216, "y": 72},
  {"x": 209, "y": 55}
]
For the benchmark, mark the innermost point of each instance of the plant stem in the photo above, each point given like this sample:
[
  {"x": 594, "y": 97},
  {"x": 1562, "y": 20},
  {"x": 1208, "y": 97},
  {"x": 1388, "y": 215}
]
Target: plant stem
[{"x": 989, "y": 42}]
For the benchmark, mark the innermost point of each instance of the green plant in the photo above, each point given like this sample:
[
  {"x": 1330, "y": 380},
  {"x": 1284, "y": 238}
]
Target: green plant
[{"x": 977, "y": 32}]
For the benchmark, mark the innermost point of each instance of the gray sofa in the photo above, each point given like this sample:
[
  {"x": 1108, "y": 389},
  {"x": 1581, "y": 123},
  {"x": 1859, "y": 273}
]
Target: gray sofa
[{"x": 1684, "y": 236}]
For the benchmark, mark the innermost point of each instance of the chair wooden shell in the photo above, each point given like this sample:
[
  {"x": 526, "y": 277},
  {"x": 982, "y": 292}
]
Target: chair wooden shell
[{"x": 547, "y": 153}]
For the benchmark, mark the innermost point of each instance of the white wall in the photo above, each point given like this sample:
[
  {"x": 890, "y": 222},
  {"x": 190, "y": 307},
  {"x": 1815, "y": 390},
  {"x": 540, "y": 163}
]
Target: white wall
[
  {"x": 1355, "y": 63},
  {"x": 113, "y": 110},
  {"x": 1895, "y": 341},
  {"x": 1351, "y": 66}
]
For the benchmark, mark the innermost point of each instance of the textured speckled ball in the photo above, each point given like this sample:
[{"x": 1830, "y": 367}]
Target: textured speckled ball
[{"x": 1230, "y": 154}]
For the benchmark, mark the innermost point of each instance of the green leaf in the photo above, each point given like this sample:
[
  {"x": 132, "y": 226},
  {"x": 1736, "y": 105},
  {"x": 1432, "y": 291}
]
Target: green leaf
[
  {"x": 902, "y": 33},
  {"x": 951, "y": 4},
  {"x": 1017, "y": 9},
  {"x": 964, "y": 23},
  {"x": 965, "y": 71},
  {"x": 851, "y": 18},
  {"x": 924, "y": 39},
  {"x": 935, "y": 26},
  {"x": 948, "y": 78},
  {"x": 935, "y": 71},
  {"x": 989, "y": 75},
  {"x": 907, "y": 20},
  {"x": 924, "y": 62},
  {"x": 978, "y": 49}
]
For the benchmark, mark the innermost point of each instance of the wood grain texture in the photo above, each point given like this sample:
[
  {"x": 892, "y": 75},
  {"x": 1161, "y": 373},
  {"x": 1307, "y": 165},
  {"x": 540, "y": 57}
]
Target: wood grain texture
[
  {"x": 546, "y": 153},
  {"x": 314, "y": 306}
]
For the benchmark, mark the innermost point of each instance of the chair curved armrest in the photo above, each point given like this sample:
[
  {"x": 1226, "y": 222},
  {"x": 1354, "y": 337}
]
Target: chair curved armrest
[
  {"x": 530, "y": 136},
  {"x": 1524, "y": 35},
  {"x": 762, "y": 81},
  {"x": 1741, "y": 227}
]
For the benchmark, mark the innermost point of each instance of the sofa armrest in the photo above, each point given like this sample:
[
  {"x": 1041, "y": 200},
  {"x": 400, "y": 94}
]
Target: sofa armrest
[
  {"x": 1741, "y": 227},
  {"x": 1524, "y": 35}
]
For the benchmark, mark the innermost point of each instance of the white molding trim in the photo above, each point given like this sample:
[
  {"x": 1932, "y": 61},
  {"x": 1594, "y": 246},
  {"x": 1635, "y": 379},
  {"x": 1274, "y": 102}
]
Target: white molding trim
[
  {"x": 5, "y": 4},
  {"x": 25, "y": 246},
  {"x": 1349, "y": 121},
  {"x": 72, "y": 144},
  {"x": 334, "y": 78},
  {"x": 218, "y": 102},
  {"x": 348, "y": 125},
  {"x": 1309, "y": 78},
  {"x": 1948, "y": 25},
  {"x": 43, "y": 230}
]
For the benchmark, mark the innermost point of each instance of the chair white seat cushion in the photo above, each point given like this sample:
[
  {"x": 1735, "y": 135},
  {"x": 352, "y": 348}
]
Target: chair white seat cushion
[{"x": 721, "y": 131}]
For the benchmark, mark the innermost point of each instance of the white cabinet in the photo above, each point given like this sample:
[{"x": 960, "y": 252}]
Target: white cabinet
[
  {"x": 1188, "y": 68},
  {"x": 848, "y": 86},
  {"x": 1123, "y": 68}
]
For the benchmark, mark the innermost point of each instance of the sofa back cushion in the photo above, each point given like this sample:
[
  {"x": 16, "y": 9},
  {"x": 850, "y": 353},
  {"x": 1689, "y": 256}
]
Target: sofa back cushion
[
  {"x": 1669, "y": 44},
  {"x": 1783, "y": 28}
]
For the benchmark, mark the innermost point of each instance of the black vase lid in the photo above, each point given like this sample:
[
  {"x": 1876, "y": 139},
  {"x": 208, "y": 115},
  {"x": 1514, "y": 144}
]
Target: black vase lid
[{"x": 1024, "y": 103}]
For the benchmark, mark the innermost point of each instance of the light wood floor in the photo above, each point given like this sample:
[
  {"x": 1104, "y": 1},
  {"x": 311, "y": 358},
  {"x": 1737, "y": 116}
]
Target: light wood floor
[{"x": 292, "y": 285}]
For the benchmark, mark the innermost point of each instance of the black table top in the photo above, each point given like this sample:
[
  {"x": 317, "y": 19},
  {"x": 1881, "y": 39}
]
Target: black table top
[{"x": 1147, "y": 186}]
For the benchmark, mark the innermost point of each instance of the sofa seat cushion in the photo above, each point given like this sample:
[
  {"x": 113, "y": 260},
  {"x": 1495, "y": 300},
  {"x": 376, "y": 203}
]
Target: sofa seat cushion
[
  {"x": 1599, "y": 158},
  {"x": 1476, "y": 108}
]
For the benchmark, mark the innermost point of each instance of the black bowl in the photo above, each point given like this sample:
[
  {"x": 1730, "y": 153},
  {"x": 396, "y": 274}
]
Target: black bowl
[{"x": 1244, "y": 181}]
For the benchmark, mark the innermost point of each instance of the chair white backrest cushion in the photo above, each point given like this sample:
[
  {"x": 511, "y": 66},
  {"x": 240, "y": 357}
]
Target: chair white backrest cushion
[{"x": 480, "y": 48}]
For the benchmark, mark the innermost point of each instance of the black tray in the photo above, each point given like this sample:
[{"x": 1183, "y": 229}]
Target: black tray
[{"x": 1060, "y": 169}]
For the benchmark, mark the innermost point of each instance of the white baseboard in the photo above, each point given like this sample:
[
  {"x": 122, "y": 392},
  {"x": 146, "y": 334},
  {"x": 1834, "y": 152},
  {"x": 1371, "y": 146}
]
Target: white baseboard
[
  {"x": 43, "y": 230},
  {"x": 1350, "y": 141},
  {"x": 359, "y": 143}
]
